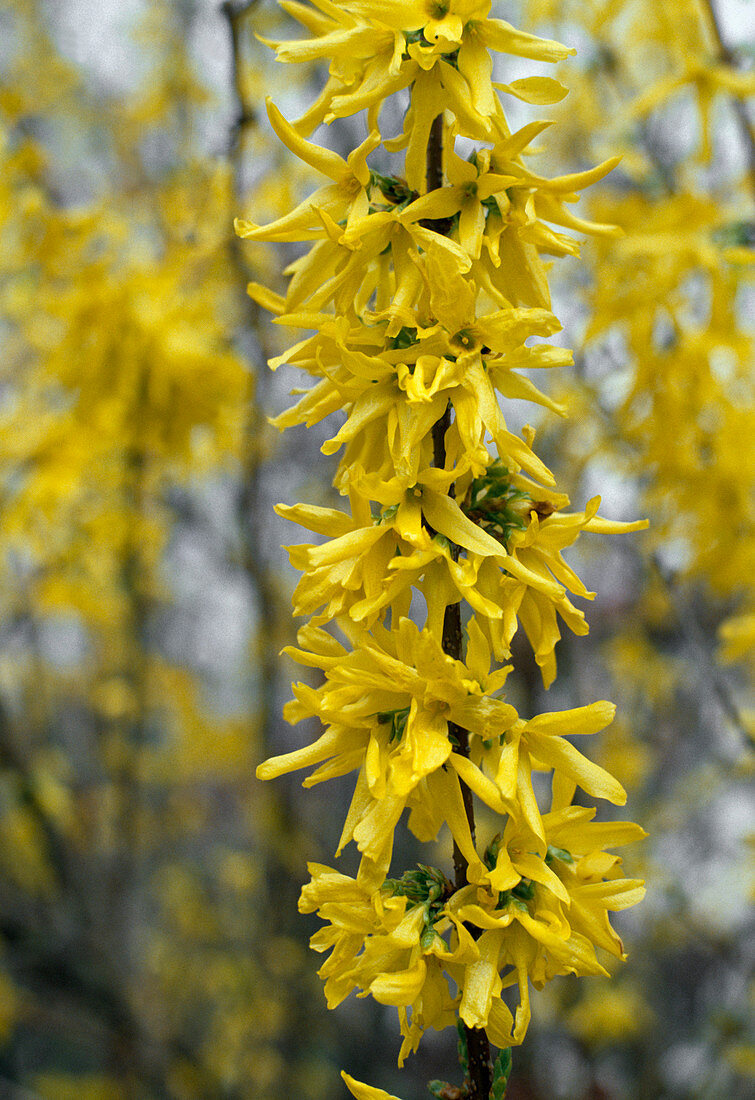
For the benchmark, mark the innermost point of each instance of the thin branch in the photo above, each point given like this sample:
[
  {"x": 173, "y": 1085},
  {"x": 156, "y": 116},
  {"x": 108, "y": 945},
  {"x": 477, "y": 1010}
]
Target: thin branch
[
  {"x": 234, "y": 13},
  {"x": 12, "y": 758},
  {"x": 478, "y": 1046},
  {"x": 728, "y": 56},
  {"x": 249, "y": 498},
  {"x": 694, "y": 632}
]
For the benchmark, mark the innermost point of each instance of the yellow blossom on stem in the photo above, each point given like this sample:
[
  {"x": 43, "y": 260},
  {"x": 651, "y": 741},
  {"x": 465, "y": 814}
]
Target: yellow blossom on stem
[{"x": 423, "y": 302}]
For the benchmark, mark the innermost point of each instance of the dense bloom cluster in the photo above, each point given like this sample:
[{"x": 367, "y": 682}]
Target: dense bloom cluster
[
  {"x": 668, "y": 304},
  {"x": 689, "y": 398},
  {"x": 418, "y": 300}
]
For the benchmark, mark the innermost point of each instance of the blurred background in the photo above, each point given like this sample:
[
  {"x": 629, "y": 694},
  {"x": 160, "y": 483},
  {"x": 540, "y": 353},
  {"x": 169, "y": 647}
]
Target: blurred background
[{"x": 150, "y": 945}]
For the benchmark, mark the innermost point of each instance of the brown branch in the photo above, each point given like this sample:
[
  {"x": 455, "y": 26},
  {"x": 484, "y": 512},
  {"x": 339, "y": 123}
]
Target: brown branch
[
  {"x": 248, "y": 500},
  {"x": 478, "y": 1047},
  {"x": 12, "y": 758},
  {"x": 728, "y": 56},
  {"x": 234, "y": 13},
  {"x": 262, "y": 690},
  {"x": 709, "y": 668}
]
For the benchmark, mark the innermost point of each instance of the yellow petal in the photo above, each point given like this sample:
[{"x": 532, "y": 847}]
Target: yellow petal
[
  {"x": 324, "y": 747},
  {"x": 441, "y": 203},
  {"x": 268, "y": 299},
  {"x": 373, "y": 831},
  {"x": 452, "y": 297},
  {"x": 357, "y": 161},
  {"x": 350, "y": 545},
  {"x": 475, "y": 64},
  {"x": 617, "y": 895},
  {"x": 478, "y": 651},
  {"x": 501, "y": 36},
  {"x": 536, "y": 89},
  {"x": 565, "y": 723},
  {"x": 500, "y": 1024},
  {"x": 472, "y": 227},
  {"x": 482, "y": 982},
  {"x": 505, "y": 875},
  {"x": 423, "y": 110},
  {"x": 400, "y": 988},
  {"x": 447, "y": 518},
  {"x": 443, "y": 787},
  {"x": 365, "y": 1092},
  {"x": 531, "y": 866},
  {"x": 576, "y": 181},
  {"x": 484, "y": 788},
  {"x": 374, "y": 403},
  {"x": 562, "y": 755},
  {"x": 323, "y": 521},
  {"x": 323, "y": 160}
]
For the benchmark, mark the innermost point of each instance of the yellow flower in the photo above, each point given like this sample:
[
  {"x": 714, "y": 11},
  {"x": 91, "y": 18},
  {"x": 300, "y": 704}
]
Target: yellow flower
[
  {"x": 397, "y": 392},
  {"x": 416, "y": 310},
  {"x": 486, "y": 191},
  {"x": 394, "y": 943},
  {"x": 376, "y": 49},
  {"x": 346, "y": 197},
  {"x": 536, "y": 930},
  {"x": 403, "y": 941},
  {"x": 370, "y": 563},
  {"x": 605, "y": 1016},
  {"x": 538, "y": 548},
  {"x": 737, "y": 634},
  {"x": 386, "y": 707},
  {"x": 509, "y": 757},
  {"x": 471, "y": 185}
]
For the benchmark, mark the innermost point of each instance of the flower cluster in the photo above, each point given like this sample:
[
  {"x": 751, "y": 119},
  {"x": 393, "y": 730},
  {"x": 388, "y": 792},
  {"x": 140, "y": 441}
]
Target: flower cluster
[
  {"x": 668, "y": 303},
  {"x": 418, "y": 301}
]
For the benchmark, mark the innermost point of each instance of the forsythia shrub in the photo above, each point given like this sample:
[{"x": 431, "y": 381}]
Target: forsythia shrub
[{"x": 420, "y": 294}]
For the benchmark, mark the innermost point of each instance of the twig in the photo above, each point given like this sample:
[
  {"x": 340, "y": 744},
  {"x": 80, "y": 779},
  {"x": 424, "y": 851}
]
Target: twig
[
  {"x": 692, "y": 629},
  {"x": 480, "y": 1066},
  {"x": 728, "y": 56}
]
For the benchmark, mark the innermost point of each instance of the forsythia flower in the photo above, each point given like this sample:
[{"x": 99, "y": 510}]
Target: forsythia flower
[
  {"x": 418, "y": 302},
  {"x": 690, "y": 398},
  {"x": 387, "y": 705},
  {"x": 544, "y": 917},
  {"x": 522, "y": 577}
]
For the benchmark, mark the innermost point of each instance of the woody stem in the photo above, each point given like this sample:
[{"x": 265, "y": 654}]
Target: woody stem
[
  {"x": 728, "y": 57},
  {"x": 478, "y": 1046}
]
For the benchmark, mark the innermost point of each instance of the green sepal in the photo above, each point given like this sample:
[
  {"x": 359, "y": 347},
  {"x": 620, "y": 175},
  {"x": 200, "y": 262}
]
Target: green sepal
[
  {"x": 428, "y": 938},
  {"x": 404, "y": 338},
  {"x": 558, "y": 853},
  {"x": 495, "y": 504},
  {"x": 395, "y": 190},
  {"x": 501, "y": 1073},
  {"x": 387, "y": 514},
  {"x": 462, "y": 1047},
  {"x": 397, "y": 720},
  {"x": 491, "y": 852},
  {"x": 428, "y": 887},
  {"x": 438, "y": 1088},
  {"x": 524, "y": 889}
]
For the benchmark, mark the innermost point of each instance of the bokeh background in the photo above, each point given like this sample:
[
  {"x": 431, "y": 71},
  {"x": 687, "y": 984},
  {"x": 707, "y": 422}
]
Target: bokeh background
[{"x": 150, "y": 945}]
